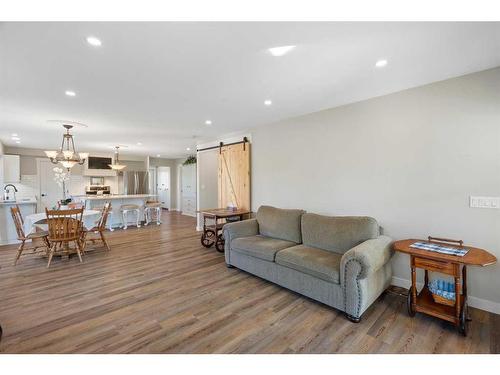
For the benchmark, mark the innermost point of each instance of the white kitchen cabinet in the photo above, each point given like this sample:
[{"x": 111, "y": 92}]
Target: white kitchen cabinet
[
  {"x": 189, "y": 189},
  {"x": 11, "y": 168}
]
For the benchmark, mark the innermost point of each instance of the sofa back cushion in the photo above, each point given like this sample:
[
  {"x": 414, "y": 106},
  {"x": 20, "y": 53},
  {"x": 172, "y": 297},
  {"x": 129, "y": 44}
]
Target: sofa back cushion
[
  {"x": 280, "y": 223},
  {"x": 337, "y": 233}
]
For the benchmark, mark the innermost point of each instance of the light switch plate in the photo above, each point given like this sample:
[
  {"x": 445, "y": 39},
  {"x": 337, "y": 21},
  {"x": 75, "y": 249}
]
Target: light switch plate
[{"x": 484, "y": 202}]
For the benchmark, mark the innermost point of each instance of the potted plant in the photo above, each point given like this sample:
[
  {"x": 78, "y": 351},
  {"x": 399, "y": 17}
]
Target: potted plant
[{"x": 190, "y": 160}]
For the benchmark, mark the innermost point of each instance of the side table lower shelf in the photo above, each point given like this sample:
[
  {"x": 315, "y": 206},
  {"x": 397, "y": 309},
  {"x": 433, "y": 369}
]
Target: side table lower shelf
[{"x": 425, "y": 304}]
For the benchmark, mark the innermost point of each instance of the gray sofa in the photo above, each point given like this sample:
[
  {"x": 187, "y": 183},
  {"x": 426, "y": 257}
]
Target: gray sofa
[{"x": 340, "y": 261}]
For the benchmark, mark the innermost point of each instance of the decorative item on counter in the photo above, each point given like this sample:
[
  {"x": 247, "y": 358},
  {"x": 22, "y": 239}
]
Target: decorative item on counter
[
  {"x": 60, "y": 177},
  {"x": 443, "y": 291},
  {"x": 63, "y": 204},
  {"x": 190, "y": 160}
]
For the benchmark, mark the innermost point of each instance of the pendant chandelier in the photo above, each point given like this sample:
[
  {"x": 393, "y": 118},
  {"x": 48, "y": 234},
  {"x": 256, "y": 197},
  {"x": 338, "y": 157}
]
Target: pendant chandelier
[
  {"x": 116, "y": 163},
  {"x": 67, "y": 155}
]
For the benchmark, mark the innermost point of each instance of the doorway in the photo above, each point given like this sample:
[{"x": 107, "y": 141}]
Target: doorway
[
  {"x": 49, "y": 191},
  {"x": 163, "y": 186}
]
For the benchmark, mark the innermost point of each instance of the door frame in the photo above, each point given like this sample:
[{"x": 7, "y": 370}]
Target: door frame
[
  {"x": 158, "y": 168},
  {"x": 39, "y": 181}
]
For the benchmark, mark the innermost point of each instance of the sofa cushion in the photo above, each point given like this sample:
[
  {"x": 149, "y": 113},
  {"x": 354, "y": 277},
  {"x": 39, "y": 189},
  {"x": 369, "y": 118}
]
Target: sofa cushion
[
  {"x": 280, "y": 223},
  {"x": 337, "y": 233},
  {"x": 259, "y": 246},
  {"x": 322, "y": 264}
]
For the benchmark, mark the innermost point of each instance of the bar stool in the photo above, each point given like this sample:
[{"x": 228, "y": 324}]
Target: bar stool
[
  {"x": 149, "y": 208},
  {"x": 125, "y": 209}
]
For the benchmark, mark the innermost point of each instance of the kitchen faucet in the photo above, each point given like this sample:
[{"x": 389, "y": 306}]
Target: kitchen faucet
[{"x": 6, "y": 194}]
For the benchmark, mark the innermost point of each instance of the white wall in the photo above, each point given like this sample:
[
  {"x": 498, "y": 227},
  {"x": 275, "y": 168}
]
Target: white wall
[
  {"x": 207, "y": 181},
  {"x": 409, "y": 159},
  {"x": 1, "y": 163}
]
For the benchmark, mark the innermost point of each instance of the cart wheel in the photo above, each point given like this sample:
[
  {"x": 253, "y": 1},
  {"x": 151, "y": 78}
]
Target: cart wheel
[
  {"x": 462, "y": 328},
  {"x": 409, "y": 306},
  {"x": 208, "y": 238},
  {"x": 219, "y": 244}
]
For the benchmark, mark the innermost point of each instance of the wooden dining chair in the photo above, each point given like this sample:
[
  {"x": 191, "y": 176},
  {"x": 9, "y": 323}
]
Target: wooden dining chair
[
  {"x": 35, "y": 236},
  {"x": 65, "y": 226},
  {"x": 99, "y": 228}
]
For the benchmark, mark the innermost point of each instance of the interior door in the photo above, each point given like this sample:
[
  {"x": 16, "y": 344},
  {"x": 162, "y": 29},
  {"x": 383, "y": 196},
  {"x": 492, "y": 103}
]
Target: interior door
[
  {"x": 163, "y": 186},
  {"x": 50, "y": 191},
  {"x": 234, "y": 176}
]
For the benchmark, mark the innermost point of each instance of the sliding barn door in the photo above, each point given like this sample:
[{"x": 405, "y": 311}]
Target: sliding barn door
[{"x": 234, "y": 176}]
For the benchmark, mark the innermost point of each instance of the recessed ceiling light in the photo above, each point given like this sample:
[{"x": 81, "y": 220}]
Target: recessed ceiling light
[
  {"x": 14, "y": 134},
  {"x": 381, "y": 63},
  {"x": 93, "y": 41},
  {"x": 70, "y": 93},
  {"x": 158, "y": 155},
  {"x": 188, "y": 149},
  {"x": 280, "y": 51},
  {"x": 268, "y": 102},
  {"x": 16, "y": 138},
  {"x": 208, "y": 122},
  {"x": 18, "y": 142},
  {"x": 139, "y": 144}
]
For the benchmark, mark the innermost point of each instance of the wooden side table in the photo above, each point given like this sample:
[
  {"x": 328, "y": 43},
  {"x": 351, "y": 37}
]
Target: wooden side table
[
  {"x": 453, "y": 265},
  {"x": 212, "y": 233}
]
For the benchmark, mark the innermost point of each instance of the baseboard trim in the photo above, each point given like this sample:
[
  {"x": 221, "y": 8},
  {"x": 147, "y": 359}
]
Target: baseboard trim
[{"x": 478, "y": 303}]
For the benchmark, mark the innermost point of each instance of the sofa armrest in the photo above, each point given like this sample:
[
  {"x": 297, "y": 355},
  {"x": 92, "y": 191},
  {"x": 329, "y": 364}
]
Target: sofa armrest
[
  {"x": 364, "y": 275},
  {"x": 244, "y": 228},
  {"x": 371, "y": 255}
]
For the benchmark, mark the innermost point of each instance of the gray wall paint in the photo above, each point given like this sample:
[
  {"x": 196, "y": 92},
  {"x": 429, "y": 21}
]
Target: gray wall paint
[
  {"x": 208, "y": 166},
  {"x": 207, "y": 183},
  {"x": 27, "y": 158},
  {"x": 409, "y": 159},
  {"x": 27, "y": 164},
  {"x": 133, "y": 165}
]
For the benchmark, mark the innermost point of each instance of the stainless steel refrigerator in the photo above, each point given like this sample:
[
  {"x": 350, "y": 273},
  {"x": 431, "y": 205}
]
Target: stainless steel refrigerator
[{"x": 136, "y": 183}]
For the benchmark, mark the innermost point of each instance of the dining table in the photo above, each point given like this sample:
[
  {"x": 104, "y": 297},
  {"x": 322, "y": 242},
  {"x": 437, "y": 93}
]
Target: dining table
[{"x": 38, "y": 221}]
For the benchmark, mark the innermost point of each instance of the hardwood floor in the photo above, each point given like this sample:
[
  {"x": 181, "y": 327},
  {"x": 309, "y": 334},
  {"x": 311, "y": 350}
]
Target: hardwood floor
[{"x": 159, "y": 291}]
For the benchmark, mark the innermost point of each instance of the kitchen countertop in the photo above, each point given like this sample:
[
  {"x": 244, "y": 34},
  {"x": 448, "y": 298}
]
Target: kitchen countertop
[
  {"x": 116, "y": 196},
  {"x": 18, "y": 201}
]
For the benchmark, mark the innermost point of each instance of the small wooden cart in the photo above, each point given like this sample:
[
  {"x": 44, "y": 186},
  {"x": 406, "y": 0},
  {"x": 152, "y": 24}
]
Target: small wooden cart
[
  {"x": 217, "y": 218},
  {"x": 453, "y": 265}
]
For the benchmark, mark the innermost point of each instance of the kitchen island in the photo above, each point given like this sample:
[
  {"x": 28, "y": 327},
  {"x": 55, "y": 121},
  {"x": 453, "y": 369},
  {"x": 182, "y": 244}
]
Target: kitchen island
[
  {"x": 8, "y": 234},
  {"x": 115, "y": 219}
]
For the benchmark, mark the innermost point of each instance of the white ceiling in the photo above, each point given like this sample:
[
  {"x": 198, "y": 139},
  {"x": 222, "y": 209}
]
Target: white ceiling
[{"x": 157, "y": 83}]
